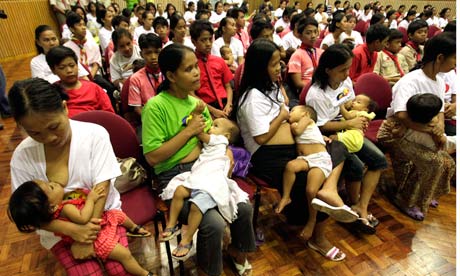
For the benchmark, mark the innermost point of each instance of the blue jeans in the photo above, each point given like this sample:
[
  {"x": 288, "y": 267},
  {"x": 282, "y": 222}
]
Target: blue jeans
[
  {"x": 212, "y": 227},
  {"x": 369, "y": 155}
]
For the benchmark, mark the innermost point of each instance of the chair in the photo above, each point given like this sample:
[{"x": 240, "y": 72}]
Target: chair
[
  {"x": 361, "y": 27},
  {"x": 237, "y": 77},
  {"x": 433, "y": 30},
  {"x": 140, "y": 203},
  {"x": 318, "y": 42},
  {"x": 378, "y": 89},
  {"x": 303, "y": 94},
  {"x": 405, "y": 37}
]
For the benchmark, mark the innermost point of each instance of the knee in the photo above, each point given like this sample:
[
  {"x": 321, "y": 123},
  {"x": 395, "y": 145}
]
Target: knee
[
  {"x": 245, "y": 211},
  {"x": 212, "y": 224},
  {"x": 290, "y": 167},
  {"x": 181, "y": 192}
]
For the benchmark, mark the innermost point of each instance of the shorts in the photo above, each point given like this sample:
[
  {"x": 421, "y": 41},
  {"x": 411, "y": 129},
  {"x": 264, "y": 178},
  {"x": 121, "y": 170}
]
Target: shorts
[
  {"x": 202, "y": 200},
  {"x": 321, "y": 160}
]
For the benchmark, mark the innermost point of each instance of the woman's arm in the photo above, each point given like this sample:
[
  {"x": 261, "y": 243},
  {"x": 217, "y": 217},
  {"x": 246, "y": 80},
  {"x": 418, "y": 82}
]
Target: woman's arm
[
  {"x": 229, "y": 106},
  {"x": 274, "y": 125},
  {"x": 86, "y": 233},
  {"x": 196, "y": 125},
  {"x": 356, "y": 123},
  {"x": 297, "y": 80},
  {"x": 403, "y": 117}
]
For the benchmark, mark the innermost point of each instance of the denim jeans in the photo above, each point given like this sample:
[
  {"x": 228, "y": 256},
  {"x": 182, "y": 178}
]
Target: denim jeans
[
  {"x": 369, "y": 155},
  {"x": 212, "y": 227}
]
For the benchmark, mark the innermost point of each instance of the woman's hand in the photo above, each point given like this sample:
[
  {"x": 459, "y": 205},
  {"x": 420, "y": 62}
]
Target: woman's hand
[
  {"x": 196, "y": 125},
  {"x": 284, "y": 114},
  {"x": 228, "y": 109},
  {"x": 86, "y": 233},
  {"x": 81, "y": 251},
  {"x": 358, "y": 123},
  {"x": 217, "y": 113}
]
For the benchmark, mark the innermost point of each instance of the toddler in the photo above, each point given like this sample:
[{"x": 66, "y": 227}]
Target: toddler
[
  {"x": 315, "y": 160},
  {"x": 227, "y": 54},
  {"x": 207, "y": 184},
  {"x": 361, "y": 105},
  {"x": 36, "y": 203}
]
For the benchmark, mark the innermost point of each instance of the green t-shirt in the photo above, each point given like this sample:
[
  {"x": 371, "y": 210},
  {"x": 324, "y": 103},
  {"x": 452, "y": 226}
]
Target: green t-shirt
[
  {"x": 130, "y": 3},
  {"x": 162, "y": 119}
]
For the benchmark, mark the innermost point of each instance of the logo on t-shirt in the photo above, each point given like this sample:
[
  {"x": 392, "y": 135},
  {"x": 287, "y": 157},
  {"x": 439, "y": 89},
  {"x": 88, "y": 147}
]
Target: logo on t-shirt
[{"x": 343, "y": 96}]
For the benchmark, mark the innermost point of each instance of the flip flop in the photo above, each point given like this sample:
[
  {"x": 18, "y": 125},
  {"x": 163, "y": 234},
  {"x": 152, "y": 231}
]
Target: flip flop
[
  {"x": 373, "y": 221},
  {"x": 342, "y": 214},
  {"x": 173, "y": 232},
  {"x": 363, "y": 225},
  {"x": 331, "y": 254},
  {"x": 242, "y": 268},
  {"x": 434, "y": 203},
  {"x": 135, "y": 232},
  {"x": 180, "y": 247}
]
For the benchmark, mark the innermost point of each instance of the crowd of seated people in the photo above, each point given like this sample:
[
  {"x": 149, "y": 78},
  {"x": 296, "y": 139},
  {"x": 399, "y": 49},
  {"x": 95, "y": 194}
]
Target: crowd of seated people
[{"x": 203, "y": 68}]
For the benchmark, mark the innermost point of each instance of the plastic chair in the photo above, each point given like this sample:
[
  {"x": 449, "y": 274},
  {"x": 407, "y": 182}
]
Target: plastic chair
[
  {"x": 140, "y": 204},
  {"x": 361, "y": 27},
  {"x": 378, "y": 89}
]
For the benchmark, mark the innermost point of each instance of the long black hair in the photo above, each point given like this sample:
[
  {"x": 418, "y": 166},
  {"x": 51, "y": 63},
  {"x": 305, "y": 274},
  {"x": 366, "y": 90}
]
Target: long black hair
[
  {"x": 38, "y": 31},
  {"x": 335, "y": 55}
]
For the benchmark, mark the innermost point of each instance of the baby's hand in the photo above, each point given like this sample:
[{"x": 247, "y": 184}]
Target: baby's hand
[
  {"x": 96, "y": 193},
  {"x": 199, "y": 108}
]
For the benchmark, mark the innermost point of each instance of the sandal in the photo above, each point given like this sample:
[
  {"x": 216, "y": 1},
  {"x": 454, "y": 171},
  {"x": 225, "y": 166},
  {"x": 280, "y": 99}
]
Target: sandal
[
  {"x": 243, "y": 269},
  {"x": 169, "y": 233},
  {"x": 334, "y": 254},
  {"x": 434, "y": 203},
  {"x": 341, "y": 214},
  {"x": 373, "y": 221},
  {"x": 136, "y": 232},
  {"x": 363, "y": 225},
  {"x": 184, "y": 257}
]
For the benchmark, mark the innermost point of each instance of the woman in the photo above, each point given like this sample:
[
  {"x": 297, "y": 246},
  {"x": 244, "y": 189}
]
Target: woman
[
  {"x": 75, "y": 154},
  {"x": 262, "y": 116},
  {"x": 407, "y": 19},
  {"x": 339, "y": 24},
  {"x": 178, "y": 30},
  {"x": 444, "y": 17},
  {"x": 218, "y": 13},
  {"x": 321, "y": 16},
  {"x": 172, "y": 148},
  {"x": 104, "y": 17},
  {"x": 350, "y": 34},
  {"x": 45, "y": 39},
  {"x": 421, "y": 175},
  {"x": 225, "y": 36}
]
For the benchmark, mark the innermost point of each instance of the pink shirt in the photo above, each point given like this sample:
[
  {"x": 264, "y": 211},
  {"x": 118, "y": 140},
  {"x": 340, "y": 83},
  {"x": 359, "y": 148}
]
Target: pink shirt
[
  {"x": 243, "y": 36},
  {"x": 300, "y": 62},
  {"x": 142, "y": 87}
]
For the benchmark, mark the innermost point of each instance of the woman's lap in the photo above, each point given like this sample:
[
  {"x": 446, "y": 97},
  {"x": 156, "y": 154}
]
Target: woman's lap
[{"x": 91, "y": 267}]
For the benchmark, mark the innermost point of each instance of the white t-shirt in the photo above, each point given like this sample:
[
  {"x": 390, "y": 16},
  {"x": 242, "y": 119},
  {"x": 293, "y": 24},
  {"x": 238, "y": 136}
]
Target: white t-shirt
[
  {"x": 290, "y": 41},
  {"x": 279, "y": 13},
  {"x": 216, "y": 18},
  {"x": 104, "y": 37},
  {"x": 67, "y": 34},
  {"x": 277, "y": 40},
  {"x": 451, "y": 84},
  {"x": 413, "y": 83},
  {"x": 235, "y": 44},
  {"x": 255, "y": 115},
  {"x": 365, "y": 17},
  {"x": 91, "y": 161},
  {"x": 164, "y": 15},
  {"x": 442, "y": 22},
  {"x": 140, "y": 30},
  {"x": 187, "y": 42},
  {"x": 327, "y": 102},
  {"x": 189, "y": 16},
  {"x": 358, "y": 39},
  {"x": 328, "y": 40},
  {"x": 281, "y": 23},
  {"x": 40, "y": 69},
  {"x": 404, "y": 24},
  {"x": 118, "y": 63}
]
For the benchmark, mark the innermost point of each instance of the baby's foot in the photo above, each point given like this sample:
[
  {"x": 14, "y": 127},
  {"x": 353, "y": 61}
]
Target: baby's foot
[{"x": 283, "y": 202}]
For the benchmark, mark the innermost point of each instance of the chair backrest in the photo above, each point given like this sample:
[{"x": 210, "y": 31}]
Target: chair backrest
[
  {"x": 361, "y": 27},
  {"x": 237, "y": 77},
  {"x": 122, "y": 135},
  {"x": 404, "y": 32},
  {"x": 303, "y": 94},
  {"x": 318, "y": 43},
  {"x": 377, "y": 88},
  {"x": 124, "y": 95},
  {"x": 432, "y": 30}
]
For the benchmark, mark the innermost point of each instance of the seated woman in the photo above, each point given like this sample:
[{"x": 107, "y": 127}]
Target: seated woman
[
  {"x": 171, "y": 147},
  {"x": 262, "y": 116},
  {"x": 75, "y": 154},
  {"x": 45, "y": 39},
  {"x": 421, "y": 175}
]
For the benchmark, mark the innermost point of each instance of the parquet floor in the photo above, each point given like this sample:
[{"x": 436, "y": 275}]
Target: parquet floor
[{"x": 401, "y": 246}]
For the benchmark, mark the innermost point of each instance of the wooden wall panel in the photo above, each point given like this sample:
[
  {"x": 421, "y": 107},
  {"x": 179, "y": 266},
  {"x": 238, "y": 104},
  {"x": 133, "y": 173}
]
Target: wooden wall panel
[{"x": 17, "y": 31}]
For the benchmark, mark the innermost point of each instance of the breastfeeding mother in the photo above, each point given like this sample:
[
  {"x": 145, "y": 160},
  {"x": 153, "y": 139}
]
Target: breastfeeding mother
[
  {"x": 262, "y": 118},
  {"x": 75, "y": 154}
]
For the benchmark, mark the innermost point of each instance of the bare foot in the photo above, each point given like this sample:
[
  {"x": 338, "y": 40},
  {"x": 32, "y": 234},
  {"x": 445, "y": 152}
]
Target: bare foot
[
  {"x": 307, "y": 231},
  {"x": 283, "y": 202}
]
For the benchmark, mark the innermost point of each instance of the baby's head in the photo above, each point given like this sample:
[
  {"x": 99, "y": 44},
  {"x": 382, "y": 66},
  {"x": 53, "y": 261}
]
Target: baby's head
[
  {"x": 226, "y": 127},
  {"x": 299, "y": 111},
  {"x": 363, "y": 102},
  {"x": 31, "y": 204},
  {"x": 422, "y": 108},
  {"x": 225, "y": 52}
]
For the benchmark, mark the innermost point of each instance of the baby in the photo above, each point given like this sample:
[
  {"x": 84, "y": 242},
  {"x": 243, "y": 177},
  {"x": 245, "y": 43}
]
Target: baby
[
  {"x": 36, "y": 203},
  {"x": 227, "y": 54},
  {"x": 424, "y": 109},
  {"x": 315, "y": 160},
  {"x": 207, "y": 184},
  {"x": 361, "y": 105}
]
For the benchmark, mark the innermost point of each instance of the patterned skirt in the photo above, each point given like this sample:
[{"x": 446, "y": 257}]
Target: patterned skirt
[{"x": 420, "y": 174}]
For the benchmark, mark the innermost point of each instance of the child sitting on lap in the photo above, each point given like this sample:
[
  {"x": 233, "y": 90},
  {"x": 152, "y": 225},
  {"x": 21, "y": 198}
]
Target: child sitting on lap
[
  {"x": 363, "y": 106},
  {"x": 314, "y": 159},
  {"x": 208, "y": 184},
  {"x": 37, "y": 203},
  {"x": 227, "y": 54}
]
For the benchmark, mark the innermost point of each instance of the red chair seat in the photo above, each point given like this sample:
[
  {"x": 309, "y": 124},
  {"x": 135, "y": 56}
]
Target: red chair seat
[
  {"x": 372, "y": 130},
  {"x": 245, "y": 186},
  {"x": 139, "y": 204}
]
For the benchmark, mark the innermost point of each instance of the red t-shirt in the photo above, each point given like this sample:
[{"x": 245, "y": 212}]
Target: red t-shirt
[
  {"x": 363, "y": 61},
  {"x": 89, "y": 96},
  {"x": 221, "y": 75}
]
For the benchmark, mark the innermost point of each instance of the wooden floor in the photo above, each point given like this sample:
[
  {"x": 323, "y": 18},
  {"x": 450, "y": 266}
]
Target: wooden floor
[{"x": 401, "y": 246}]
